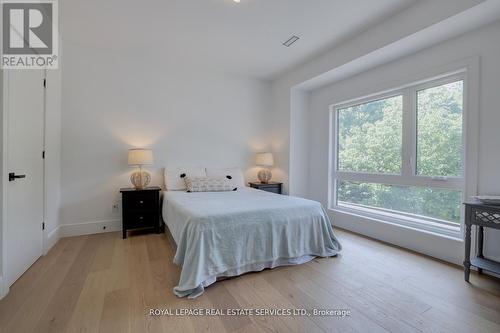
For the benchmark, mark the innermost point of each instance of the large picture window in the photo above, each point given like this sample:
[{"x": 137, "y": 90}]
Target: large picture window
[{"x": 399, "y": 155}]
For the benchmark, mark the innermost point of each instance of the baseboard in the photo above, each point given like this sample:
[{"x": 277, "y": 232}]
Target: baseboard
[
  {"x": 51, "y": 239},
  {"x": 446, "y": 249},
  {"x": 91, "y": 227}
]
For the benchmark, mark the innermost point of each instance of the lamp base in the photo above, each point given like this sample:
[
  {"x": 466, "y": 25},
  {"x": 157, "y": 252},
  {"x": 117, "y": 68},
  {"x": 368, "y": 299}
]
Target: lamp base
[
  {"x": 264, "y": 176},
  {"x": 140, "y": 179}
]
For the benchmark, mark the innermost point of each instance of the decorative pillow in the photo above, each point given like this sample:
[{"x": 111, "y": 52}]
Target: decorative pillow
[
  {"x": 206, "y": 184},
  {"x": 233, "y": 174},
  {"x": 174, "y": 177}
]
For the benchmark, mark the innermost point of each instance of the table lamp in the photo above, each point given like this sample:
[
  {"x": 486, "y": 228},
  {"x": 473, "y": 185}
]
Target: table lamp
[
  {"x": 265, "y": 160},
  {"x": 139, "y": 157}
]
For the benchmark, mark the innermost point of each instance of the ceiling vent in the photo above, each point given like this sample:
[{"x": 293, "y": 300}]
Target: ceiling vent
[{"x": 290, "y": 41}]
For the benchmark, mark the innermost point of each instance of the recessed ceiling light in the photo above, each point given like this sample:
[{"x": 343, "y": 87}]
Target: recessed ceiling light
[
  {"x": 291, "y": 40},
  {"x": 237, "y": 1}
]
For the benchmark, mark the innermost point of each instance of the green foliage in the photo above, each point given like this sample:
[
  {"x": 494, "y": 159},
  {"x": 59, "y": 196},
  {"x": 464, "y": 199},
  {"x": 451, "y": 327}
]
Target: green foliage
[
  {"x": 439, "y": 139},
  {"x": 442, "y": 204},
  {"x": 370, "y": 140},
  {"x": 370, "y": 136}
]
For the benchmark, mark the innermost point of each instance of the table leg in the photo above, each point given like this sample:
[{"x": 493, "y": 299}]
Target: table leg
[
  {"x": 467, "y": 252},
  {"x": 480, "y": 243},
  {"x": 468, "y": 226}
]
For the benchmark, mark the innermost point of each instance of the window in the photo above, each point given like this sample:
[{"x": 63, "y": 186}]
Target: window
[
  {"x": 399, "y": 156},
  {"x": 439, "y": 130},
  {"x": 370, "y": 136}
]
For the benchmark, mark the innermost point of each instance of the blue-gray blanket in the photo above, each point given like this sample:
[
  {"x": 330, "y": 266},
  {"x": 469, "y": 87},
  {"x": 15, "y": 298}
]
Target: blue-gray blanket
[{"x": 220, "y": 234}]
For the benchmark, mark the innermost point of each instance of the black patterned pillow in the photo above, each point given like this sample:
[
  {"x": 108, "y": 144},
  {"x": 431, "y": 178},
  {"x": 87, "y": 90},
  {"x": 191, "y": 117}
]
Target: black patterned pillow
[{"x": 205, "y": 184}]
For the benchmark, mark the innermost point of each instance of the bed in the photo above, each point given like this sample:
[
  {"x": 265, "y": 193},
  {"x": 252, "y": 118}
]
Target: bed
[{"x": 224, "y": 234}]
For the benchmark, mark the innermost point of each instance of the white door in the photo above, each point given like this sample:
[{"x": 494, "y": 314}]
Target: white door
[{"x": 24, "y": 145}]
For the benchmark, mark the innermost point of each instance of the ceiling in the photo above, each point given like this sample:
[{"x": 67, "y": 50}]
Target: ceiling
[{"x": 244, "y": 38}]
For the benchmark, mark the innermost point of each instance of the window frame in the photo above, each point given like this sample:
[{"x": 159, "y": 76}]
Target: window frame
[{"x": 408, "y": 175}]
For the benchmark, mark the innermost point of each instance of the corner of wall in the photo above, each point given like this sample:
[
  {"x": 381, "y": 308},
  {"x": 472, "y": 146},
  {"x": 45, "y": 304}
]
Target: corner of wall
[
  {"x": 52, "y": 172},
  {"x": 50, "y": 239},
  {"x": 299, "y": 143},
  {"x": 3, "y": 292}
]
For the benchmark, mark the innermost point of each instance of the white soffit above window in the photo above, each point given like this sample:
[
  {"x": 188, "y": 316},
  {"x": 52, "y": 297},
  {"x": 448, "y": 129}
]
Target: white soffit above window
[{"x": 473, "y": 18}]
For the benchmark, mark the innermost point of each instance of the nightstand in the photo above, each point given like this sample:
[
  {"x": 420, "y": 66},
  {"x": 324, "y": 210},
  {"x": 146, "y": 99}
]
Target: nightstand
[
  {"x": 269, "y": 187},
  {"x": 141, "y": 209}
]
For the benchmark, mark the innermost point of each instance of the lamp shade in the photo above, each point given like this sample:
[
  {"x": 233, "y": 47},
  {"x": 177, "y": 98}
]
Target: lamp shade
[
  {"x": 139, "y": 156},
  {"x": 264, "y": 159}
]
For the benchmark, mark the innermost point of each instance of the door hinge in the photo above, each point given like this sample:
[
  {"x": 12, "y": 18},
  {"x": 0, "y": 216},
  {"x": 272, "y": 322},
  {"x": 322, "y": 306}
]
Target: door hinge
[
  {"x": 43, "y": 154},
  {"x": 45, "y": 83},
  {"x": 43, "y": 225}
]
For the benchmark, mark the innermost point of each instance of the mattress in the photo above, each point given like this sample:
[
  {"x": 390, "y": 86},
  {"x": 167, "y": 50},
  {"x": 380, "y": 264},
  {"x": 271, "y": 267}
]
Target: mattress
[{"x": 222, "y": 234}]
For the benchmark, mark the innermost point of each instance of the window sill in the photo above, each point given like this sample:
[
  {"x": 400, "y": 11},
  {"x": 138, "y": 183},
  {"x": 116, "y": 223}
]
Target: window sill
[{"x": 435, "y": 228}]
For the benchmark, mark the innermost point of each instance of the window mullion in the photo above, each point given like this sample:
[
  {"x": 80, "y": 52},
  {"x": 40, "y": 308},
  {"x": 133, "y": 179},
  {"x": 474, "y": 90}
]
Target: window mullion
[{"x": 409, "y": 134}]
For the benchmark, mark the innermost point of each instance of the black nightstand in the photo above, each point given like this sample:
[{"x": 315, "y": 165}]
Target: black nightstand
[
  {"x": 269, "y": 187},
  {"x": 141, "y": 209}
]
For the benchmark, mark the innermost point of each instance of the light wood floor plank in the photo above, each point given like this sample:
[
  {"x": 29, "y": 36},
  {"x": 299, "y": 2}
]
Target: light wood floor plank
[
  {"x": 24, "y": 286},
  {"x": 59, "y": 310},
  {"x": 141, "y": 288},
  {"x": 104, "y": 254},
  {"x": 272, "y": 298},
  {"x": 435, "y": 288},
  {"x": 301, "y": 299},
  {"x": 388, "y": 312},
  {"x": 86, "y": 316},
  {"x": 36, "y": 302},
  {"x": 221, "y": 298},
  {"x": 119, "y": 278},
  {"x": 250, "y": 300},
  {"x": 101, "y": 283},
  {"x": 116, "y": 316}
]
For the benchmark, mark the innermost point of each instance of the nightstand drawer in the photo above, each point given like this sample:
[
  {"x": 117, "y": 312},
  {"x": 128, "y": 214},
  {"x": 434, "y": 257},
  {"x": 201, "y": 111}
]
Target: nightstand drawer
[
  {"x": 141, "y": 201},
  {"x": 272, "y": 189},
  {"x": 268, "y": 187},
  {"x": 141, "y": 220}
]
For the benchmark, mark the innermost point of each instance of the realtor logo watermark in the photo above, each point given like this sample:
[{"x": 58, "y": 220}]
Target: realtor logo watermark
[{"x": 29, "y": 34}]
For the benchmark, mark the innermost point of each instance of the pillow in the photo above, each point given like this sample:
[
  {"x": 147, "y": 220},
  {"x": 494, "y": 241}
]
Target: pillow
[
  {"x": 233, "y": 174},
  {"x": 205, "y": 184},
  {"x": 174, "y": 177}
]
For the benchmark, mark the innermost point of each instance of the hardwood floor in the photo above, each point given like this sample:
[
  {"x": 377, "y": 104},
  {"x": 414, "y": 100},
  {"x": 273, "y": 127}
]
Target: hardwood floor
[{"x": 101, "y": 283}]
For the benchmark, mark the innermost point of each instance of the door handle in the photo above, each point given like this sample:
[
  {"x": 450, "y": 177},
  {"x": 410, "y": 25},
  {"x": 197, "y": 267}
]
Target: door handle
[{"x": 13, "y": 176}]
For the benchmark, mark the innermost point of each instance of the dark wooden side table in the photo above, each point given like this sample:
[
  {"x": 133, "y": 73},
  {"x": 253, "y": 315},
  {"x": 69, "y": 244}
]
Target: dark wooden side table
[
  {"x": 141, "y": 209},
  {"x": 268, "y": 187},
  {"x": 482, "y": 216}
]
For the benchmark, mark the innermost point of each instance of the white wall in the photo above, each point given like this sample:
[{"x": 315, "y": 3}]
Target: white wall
[
  {"x": 52, "y": 163},
  {"x": 188, "y": 115},
  {"x": 477, "y": 43},
  {"x": 1, "y": 183},
  {"x": 423, "y": 14},
  {"x": 299, "y": 144}
]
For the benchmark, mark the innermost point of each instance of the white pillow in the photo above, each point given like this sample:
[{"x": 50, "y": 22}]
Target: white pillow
[
  {"x": 174, "y": 177},
  {"x": 234, "y": 174},
  {"x": 205, "y": 184}
]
